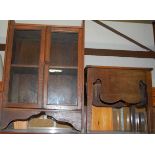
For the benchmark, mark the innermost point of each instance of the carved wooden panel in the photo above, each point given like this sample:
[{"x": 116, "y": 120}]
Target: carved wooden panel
[{"x": 120, "y": 84}]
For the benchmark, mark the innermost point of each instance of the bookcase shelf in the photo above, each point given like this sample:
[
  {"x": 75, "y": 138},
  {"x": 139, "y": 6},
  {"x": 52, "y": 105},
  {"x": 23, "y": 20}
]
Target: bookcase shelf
[
  {"x": 24, "y": 66},
  {"x": 63, "y": 67}
]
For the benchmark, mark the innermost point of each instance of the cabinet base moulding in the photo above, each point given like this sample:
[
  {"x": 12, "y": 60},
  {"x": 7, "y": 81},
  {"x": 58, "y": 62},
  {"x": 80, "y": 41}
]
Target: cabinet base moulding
[{"x": 71, "y": 117}]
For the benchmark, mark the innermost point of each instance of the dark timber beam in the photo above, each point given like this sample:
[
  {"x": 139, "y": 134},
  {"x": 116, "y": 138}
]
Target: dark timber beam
[
  {"x": 119, "y": 53},
  {"x": 111, "y": 52},
  {"x": 2, "y": 47}
]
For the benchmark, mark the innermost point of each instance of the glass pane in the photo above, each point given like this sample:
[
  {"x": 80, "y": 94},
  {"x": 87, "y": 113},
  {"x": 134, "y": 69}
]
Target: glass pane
[
  {"x": 26, "y": 47},
  {"x": 62, "y": 87},
  {"x": 23, "y": 85},
  {"x": 64, "y": 49},
  {"x": 125, "y": 120}
]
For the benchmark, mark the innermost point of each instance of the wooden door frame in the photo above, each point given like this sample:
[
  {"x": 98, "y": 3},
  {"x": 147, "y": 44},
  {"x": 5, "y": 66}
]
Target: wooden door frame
[
  {"x": 80, "y": 74},
  {"x": 10, "y": 34}
]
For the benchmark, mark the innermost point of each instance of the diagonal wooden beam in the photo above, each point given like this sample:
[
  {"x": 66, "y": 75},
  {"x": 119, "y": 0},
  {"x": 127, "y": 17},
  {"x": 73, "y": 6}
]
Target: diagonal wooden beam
[
  {"x": 119, "y": 53},
  {"x": 2, "y": 47},
  {"x": 121, "y": 34}
]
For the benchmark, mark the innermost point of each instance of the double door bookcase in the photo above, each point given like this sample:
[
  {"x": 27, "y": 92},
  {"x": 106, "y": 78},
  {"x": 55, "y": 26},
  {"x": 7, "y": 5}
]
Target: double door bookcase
[{"x": 43, "y": 73}]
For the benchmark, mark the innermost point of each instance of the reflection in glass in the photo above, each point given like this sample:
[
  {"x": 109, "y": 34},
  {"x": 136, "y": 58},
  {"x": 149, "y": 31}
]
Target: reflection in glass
[{"x": 62, "y": 87}]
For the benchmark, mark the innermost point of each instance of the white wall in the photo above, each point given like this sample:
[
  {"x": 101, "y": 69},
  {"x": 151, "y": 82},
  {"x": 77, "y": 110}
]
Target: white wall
[
  {"x": 98, "y": 37},
  {"x": 3, "y": 32},
  {"x": 52, "y": 22}
]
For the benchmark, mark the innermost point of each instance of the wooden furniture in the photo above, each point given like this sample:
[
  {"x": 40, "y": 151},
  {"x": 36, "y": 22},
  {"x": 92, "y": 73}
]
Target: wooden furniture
[
  {"x": 43, "y": 73},
  {"x": 153, "y": 98},
  {"x": 153, "y": 95},
  {"x": 1, "y": 90},
  {"x": 119, "y": 99}
]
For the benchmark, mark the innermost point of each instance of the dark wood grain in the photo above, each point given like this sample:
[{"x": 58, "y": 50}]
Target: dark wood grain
[
  {"x": 118, "y": 67},
  {"x": 1, "y": 86},
  {"x": 72, "y": 117},
  {"x": 14, "y": 114},
  {"x": 149, "y": 106},
  {"x": 81, "y": 77},
  {"x": 119, "y": 53},
  {"x": 41, "y": 68},
  {"x": 153, "y": 120},
  {"x": 120, "y": 84},
  {"x": 9, "y": 115},
  {"x": 89, "y": 94},
  {"x": 153, "y": 95},
  {"x": 7, "y": 60},
  {"x": 2, "y": 47}
]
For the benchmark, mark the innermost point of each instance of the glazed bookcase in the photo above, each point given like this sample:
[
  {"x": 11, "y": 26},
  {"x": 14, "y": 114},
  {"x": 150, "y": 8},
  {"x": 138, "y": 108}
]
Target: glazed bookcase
[{"x": 43, "y": 73}]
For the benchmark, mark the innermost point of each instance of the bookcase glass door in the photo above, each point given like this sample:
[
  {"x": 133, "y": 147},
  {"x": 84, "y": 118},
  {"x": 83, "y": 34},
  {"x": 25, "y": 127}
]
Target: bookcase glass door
[
  {"x": 23, "y": 84},
  {"x": 63, "y": 68},
  {"x": 26, "y": 47}
]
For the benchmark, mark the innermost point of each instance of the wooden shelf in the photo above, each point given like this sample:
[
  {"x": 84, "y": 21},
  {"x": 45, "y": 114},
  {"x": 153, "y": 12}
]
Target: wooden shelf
[
  {"x": 63, "y": 67},
  {"x": 24, "y": 66}
]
